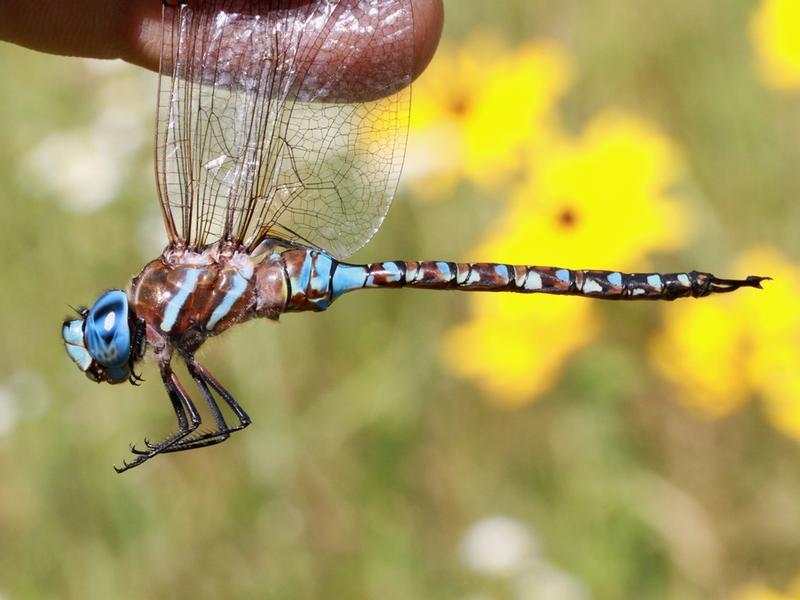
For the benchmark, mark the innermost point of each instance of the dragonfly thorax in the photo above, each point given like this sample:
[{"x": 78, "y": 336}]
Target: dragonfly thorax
[{"x": 185, "y": 297}]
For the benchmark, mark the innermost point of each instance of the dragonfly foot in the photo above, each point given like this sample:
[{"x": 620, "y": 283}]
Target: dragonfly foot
[
  {"x": 148, "y": 444},
  {"x": 125, "y": 466},
  {"x": 153, "y": 449},
  {"x": 134, "y": 463},
  {"x": 207, "y": 438}
]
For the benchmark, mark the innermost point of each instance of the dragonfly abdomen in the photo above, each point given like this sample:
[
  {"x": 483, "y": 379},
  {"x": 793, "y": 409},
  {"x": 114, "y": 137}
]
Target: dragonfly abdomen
[
  {"x": 316, "y": 279},
  {"x": 496, "y": 277},
  {"x": 608, "y": 285}
]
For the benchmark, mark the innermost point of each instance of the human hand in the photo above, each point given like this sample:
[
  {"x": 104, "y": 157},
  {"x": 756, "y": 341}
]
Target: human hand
[{"x": 131, "y": 29}]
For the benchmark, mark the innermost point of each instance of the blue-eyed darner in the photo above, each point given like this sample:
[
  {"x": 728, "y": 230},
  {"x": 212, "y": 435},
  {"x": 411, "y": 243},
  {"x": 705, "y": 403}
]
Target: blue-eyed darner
[{"x": 267, "y": 170}]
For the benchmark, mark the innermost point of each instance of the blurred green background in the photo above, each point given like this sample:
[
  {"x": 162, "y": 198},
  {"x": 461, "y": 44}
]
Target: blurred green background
[{"x": 373, "y": 469}]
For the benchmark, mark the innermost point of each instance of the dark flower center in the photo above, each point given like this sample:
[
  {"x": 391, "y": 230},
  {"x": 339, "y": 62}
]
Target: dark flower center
[
  {"x": 459, "y": 106},
  {"x": 568, "y": 218}
]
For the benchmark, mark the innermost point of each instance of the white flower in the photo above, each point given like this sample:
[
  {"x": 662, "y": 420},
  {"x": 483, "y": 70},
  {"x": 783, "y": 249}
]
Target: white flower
[
  {"x": 497, "y": 546},
  {"x": 79, "y": 168},
  {"x": 542, "y": 581}
]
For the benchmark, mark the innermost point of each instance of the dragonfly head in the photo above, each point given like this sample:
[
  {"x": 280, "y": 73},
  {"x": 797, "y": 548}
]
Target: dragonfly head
[{"x": 106, "y": 340}]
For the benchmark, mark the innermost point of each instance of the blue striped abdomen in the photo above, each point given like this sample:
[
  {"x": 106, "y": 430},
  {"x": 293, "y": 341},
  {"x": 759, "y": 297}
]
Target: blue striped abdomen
[{"x": 316, "y": 279}]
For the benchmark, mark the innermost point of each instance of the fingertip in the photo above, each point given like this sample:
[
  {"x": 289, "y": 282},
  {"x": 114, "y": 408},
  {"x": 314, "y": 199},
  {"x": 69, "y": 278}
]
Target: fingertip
[
  {"x": 140, "y": 35},
  {"x": 140, "y": 31},
  {"x": 428, "y": 24}
]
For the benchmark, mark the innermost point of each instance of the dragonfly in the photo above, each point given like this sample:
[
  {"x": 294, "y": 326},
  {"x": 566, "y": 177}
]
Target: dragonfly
[{"x": 272, "y": 167}]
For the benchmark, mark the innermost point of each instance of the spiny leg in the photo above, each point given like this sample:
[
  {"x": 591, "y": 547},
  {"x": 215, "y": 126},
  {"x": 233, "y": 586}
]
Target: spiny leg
[
  {"x": 177, "y": 406},
  {"x": 206, "y": 438},
  {"x": 180, "y": 401},
  {"x": 204, "y": 379},
  {"x": 244, "y": 418}
]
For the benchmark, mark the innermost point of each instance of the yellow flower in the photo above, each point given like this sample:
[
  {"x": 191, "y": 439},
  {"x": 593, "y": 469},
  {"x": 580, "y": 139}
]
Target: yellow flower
[
  {"x": 701, "y": 352},
  {"x": 721, "y": 353},
  {"x": 773, "y": 320},
  {"x": 600, "y": 201},
  {"x": 516, "y": 348},
  {"x": 759, "y": 591},
  {"x": 775, "y": 34},
  {"x": 479, "y": 109}
]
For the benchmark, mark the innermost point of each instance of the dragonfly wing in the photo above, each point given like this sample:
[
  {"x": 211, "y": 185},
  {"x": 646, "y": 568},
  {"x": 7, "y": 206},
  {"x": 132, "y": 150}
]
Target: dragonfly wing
[{"x": 284, "y": 118}]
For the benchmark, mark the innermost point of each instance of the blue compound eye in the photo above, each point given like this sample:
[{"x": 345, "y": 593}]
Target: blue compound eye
[
  {"x": 72, "y": 332},
  {"x": 100, "y": 343},
  {"x": 107, "y": 333}
]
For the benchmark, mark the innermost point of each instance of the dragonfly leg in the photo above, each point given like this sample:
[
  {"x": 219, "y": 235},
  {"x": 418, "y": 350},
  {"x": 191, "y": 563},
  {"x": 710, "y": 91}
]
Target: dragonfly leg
[
  {"x": 204, "y": 379},
  {"x": 182, "y": 405},
  {"x": 244, "y": 418}
]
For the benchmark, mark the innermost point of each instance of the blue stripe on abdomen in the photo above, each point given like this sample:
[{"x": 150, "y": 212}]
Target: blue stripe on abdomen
[
  {"x": 502, "y": 271},
  {"x": 312, "y": 282},
  {"x": 388, "y": 273},
  {"x": 564, "y": 275},
  {"x": 320, "y": 280},
  {"x": 176, "y": 303},
  {"x": 301, "y": 283},
  {"x": 347, "y": 278}
]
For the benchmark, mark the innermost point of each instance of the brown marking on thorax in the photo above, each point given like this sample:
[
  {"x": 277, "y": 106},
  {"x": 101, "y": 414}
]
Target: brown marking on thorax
[
  {"x": 272, "y": 289},
  {"x": 163, "y": 279}
]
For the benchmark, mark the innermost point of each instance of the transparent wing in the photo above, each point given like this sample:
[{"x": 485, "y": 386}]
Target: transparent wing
[{"x": 284, "y": 118}]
